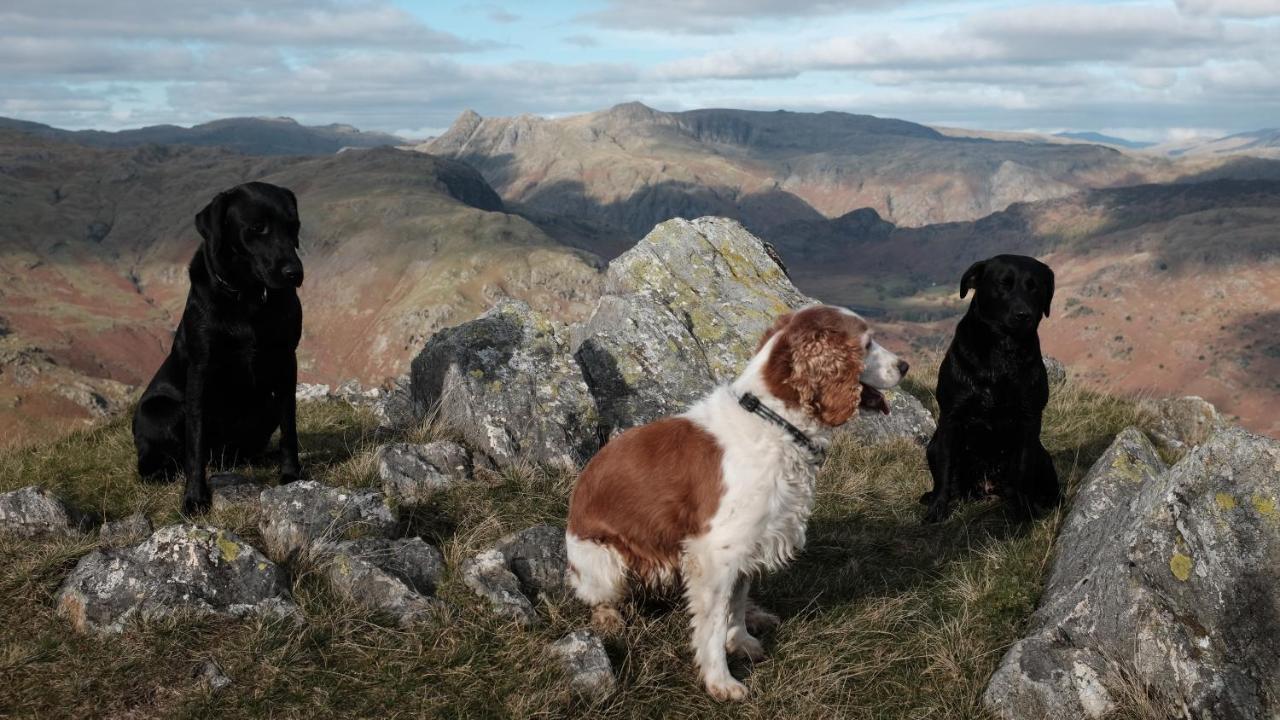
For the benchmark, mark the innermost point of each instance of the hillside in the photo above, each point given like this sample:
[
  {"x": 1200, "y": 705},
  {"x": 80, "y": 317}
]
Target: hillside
[
  {"x": 618, "y": 172},
  {"x": 94, "y": 244},
  {"x": 246, "y": 135},
  {"x": 1258, "y": 143},
  {"x": 1165, "y": 288}
]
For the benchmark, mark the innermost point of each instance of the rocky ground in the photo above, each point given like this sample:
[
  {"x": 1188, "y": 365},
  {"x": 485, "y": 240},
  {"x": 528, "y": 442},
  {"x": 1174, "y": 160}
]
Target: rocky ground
[{"x": 419, "y": 569}]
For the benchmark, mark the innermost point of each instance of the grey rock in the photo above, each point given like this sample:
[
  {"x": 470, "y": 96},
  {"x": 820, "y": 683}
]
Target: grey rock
[
  {"x": 907, "y": 418},
  {"x": 1166, "y": 577},
  {"x": 394, "y": 407},
  {"x": 32, "y": 512},
  {"x": 231, "y": 489},
  {"x": 356, "y": 394},
  {"x": 507, "y": 382},
  {"x": 582, "y": 656},
  {"x": 296, "y": 516},
  {"x": 210, "y": 674},
  {"x": 1177, "y": 423},
  {"x": 517, "y": 569},
  {"x": 126, "y": 531},
  {"x": 180, "y": 568},
  {"x": 310, "y": 392},
  {"x": 683, "y": 310},
  {"x": 1056, "y": 371},
  {"x": 411, "y": 474},
  {"x": 397, "y": 577}
]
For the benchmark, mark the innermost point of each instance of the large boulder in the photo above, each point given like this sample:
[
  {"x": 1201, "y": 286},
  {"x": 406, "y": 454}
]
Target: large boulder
[
  {"x": 397, "y": 577},
  {"x": 683, "y": 310},
  {"x": 515, "y": 571},
  {"x": 586, "y": 664},
  {"x": 411, "y": 473},
  {"x": 33, "y": 512},
  {"x": 179, "y": 569},
  {"x": 908, "y": 418},
  {"x": 506, "y": 380},
  {"x": 1178, "y": 423},
  {"x": 297, "y": 516},
  {"x": 1165, "y": 578}
]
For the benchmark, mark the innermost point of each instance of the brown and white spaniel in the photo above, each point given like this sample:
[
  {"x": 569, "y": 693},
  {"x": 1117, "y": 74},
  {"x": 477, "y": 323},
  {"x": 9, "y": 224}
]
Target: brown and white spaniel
[{"x": 723, "y": 491}]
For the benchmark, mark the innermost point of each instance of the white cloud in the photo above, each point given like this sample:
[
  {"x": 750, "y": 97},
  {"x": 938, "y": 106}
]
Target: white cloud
[{"x": 1231, "y": 8}]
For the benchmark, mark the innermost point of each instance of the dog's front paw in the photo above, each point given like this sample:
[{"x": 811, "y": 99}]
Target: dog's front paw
[
  {"x": 936, "y": 513},
  {"x": 926, "y": 498},
  {"x": 726, "y": 689},
  {"x": 760, "y": 621},
  {"x": 197, "y": 503},
  {"x": 287, "y": 477}
]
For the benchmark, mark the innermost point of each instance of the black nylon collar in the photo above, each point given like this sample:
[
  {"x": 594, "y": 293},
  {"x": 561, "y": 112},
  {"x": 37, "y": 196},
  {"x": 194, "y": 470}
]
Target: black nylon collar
[
  {"x": 235, "y": 292},
  {"x": 752, "y": 404}
]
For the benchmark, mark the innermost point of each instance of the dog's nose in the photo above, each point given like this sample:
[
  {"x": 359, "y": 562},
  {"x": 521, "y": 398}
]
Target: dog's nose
[
  {"x": 1022, "y": 315},
  {"x": 292, "y": 274},
  {"x": 903, "y": 367}
]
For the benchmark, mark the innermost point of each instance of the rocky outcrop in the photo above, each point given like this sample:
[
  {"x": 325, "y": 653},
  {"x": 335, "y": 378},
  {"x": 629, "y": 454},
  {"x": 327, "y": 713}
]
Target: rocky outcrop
[
  {"x": 32, "y": 512},
  {"x": 296, "y": 516},
  {"x": 126, "y": 531},
  {"x": 396, "y": 577},
  {"x": 507, "y": 382},
  {"x": 179, "y": 569},
  {"x": 517, "y": 569},
  {"x": 907, "y": 418},
  {"x": 394, "y": 406},
  {"x": 683, "y": 310},
  {"x": 1055, "y": 370},
  {"x": 585, "y": 663},
  {"x": 411, "y": 474},
  {"x": 1178, "y": 423},
  {"x": 233, "y": 489},
  {"x": 1163, "y": 577}
]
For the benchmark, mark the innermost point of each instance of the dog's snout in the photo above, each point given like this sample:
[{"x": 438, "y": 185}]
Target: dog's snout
[
  {"x": 903, "y": 367},
  {"x": 1022, "y": 315},
  {"x": 292, "y": 273}
]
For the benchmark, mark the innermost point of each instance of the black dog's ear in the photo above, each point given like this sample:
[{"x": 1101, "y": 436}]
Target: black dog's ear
[
  {"x": 209, "y": 220},
  {"x": 1048, "y": 300},
  {"x": 971, "y": 276}
]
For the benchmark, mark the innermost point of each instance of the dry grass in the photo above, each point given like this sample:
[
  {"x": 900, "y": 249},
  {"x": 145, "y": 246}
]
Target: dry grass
[{"x": 883, "y": 618}]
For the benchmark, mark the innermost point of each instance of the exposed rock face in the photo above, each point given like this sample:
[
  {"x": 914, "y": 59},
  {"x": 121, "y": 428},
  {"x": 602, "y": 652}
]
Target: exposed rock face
[
  {"x": 1056, "y": 371},
  {"x": 35, "y": 512},
  {"x": 180, "y": 568},
  {"x": 1165, "y": 575},
  {"x": 1181, "y": 422},
  {"x": 231, "y": 489},
  {"x": 507, "y": 381},
  {"x": 397, "y": 577},
  {"x": 394, "y": 407},
  {"x": 411, "y": 474},
  {"x": 125, "y": 531},
  {"x": 684, "y": 309},
  {"x": 296, "y": 515},
  {"x": 519, "y": 567},
  {"x": 585, "y": 662},
  {"x": 309, "y": 392},
  {"x": 907, "y": 419}
]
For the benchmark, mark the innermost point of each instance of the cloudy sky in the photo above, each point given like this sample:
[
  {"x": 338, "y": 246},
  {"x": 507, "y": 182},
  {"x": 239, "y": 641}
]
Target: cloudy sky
[{"x": 1150, "y": 69}]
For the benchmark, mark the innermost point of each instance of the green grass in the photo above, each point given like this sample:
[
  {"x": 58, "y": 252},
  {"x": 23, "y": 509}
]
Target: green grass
[{"x": 883, "y": 618}]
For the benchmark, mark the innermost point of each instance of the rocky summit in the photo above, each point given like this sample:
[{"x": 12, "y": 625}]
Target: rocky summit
[
  {"x": 1165, "y": 580},
  {"x": 683, "y": 310}
]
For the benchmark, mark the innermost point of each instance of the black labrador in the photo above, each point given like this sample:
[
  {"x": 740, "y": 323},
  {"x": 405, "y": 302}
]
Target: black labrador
[
  {"x": 229, "y": 380},
  {"x": 992, "y": 389}
]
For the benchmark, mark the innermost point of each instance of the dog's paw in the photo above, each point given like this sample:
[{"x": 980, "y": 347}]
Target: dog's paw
[
  {"x": 936, "y": 513},
  {"x": 926, "y": 498},
  {"x": 606, "y": 620},
  {"x": 726, "y": 689},
  {"x": 288, "y": 477},
  {"x": 196, "y": 503},
  {"x": 748, "y": 646},
  {"x": 760, "y": 621}
]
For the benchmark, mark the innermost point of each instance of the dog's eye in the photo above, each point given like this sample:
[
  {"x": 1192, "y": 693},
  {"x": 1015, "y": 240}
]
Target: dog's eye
[{"x": 259, "y": 228}]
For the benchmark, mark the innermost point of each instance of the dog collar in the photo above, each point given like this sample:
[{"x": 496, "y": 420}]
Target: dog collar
[
  {"x": 233, "y": 290},
  {"x": 752, "y": 404}
]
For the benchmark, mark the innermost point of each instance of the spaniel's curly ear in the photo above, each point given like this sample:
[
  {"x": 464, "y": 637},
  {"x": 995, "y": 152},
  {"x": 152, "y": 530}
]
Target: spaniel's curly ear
[
  {"x": 825, "y": 366},
  {"x": 778, "y": 324}
]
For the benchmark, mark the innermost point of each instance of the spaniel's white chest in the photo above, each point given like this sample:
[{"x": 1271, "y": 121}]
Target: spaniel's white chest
[{"x": 789, "y": 507}]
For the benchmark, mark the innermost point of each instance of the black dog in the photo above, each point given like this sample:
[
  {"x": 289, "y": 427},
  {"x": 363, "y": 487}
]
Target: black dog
[
  {"x": 229, "y": 380},
  {"x": 992, "y": 389}
]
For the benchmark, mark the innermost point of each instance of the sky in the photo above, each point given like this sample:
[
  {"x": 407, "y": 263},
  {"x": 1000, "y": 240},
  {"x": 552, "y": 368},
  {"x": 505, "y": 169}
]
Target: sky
[{"x": 1151, "y": 70}]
